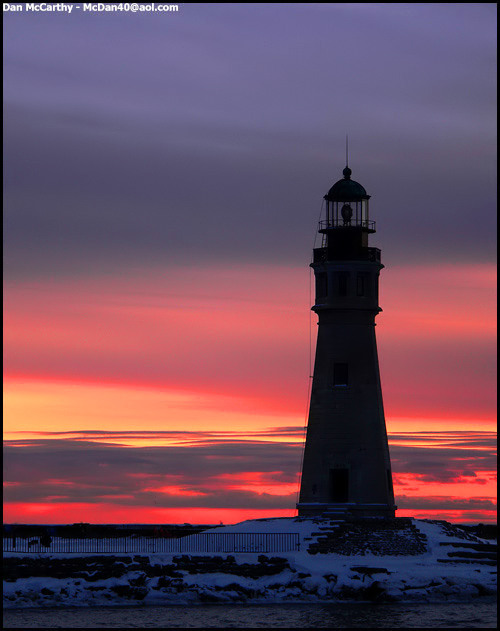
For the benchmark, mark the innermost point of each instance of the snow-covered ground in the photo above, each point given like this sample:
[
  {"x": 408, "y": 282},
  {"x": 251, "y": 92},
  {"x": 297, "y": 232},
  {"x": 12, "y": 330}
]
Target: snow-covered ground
[{"x": 157, "y": 578}]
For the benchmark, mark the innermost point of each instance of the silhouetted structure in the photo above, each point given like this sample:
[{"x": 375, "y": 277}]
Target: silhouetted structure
[{"x": 346, "y": 468}]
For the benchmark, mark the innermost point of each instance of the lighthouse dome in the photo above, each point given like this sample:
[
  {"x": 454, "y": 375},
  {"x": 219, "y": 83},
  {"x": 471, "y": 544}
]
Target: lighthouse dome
[{"x": 346, "y": 190}]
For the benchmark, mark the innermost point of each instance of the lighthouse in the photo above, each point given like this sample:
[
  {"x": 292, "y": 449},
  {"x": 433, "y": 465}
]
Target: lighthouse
[{"x": 346, "y": 468}]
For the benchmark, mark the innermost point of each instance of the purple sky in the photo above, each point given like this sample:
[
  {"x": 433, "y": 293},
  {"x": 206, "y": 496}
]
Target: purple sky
[{"x": 133, "y": 139}]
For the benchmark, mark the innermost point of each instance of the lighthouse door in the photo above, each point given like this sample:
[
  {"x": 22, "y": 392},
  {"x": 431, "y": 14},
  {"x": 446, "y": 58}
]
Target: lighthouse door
[{"x": 339, "y": 485}]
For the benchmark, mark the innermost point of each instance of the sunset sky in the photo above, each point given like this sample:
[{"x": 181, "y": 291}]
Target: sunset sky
[{"x": 163, "y": 180}]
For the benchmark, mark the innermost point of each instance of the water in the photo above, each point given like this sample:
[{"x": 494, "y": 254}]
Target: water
[{"x": 476, "y": 615}]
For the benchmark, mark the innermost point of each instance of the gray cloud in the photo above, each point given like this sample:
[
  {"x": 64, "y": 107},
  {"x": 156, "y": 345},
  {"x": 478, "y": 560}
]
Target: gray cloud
[
  {"x": 206, "y": 467},
  {"x": 480, "y": 439},
  {"x": 442, "y": 464}
]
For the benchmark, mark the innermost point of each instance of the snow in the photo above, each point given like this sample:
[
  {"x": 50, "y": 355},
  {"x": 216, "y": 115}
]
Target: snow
[{"x": 300, "y": 577}]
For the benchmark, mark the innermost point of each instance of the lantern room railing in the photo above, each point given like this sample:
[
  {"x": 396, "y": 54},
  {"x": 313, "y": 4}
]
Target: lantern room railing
[{"x": 334, "y": 222}]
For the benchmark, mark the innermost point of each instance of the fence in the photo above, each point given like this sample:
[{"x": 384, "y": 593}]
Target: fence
[{"x": 201, "y": 542}]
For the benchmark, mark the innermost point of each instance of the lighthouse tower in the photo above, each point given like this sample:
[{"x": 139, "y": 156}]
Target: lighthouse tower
[{"x": 346, "y": 467}]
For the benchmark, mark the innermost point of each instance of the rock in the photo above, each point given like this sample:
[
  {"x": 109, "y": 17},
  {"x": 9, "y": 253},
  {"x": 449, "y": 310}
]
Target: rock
[{"x": 132, "y": 593}]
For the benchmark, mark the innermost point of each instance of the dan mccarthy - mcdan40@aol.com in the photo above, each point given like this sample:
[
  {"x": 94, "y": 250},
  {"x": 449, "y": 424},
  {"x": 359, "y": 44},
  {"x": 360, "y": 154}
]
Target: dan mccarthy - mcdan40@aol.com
[{"x": 60, "y": 7}]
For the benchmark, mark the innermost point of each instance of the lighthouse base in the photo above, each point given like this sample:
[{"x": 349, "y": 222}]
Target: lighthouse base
[{"x": 345, "y": 510}]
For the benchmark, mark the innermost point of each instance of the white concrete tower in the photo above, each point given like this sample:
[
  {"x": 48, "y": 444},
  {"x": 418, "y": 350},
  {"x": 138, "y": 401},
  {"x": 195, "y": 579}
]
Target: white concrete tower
[{"x": 346, "y": 467}]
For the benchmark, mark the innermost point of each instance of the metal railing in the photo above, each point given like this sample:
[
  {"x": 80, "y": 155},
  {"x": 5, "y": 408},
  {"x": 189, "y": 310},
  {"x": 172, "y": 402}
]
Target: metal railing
[
  {"x": 200, "y": 542},
  {"x": 338, "y": 222}
]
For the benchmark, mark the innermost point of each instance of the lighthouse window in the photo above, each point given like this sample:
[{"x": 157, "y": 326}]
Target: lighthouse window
[
  {"x": 339, "y": 485},
  {"x": 321, "y": 285},
  {"x": 342, "y": 282},
  {"x": 340, "y": 375},
  {"x": 362, "y": 285}
]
